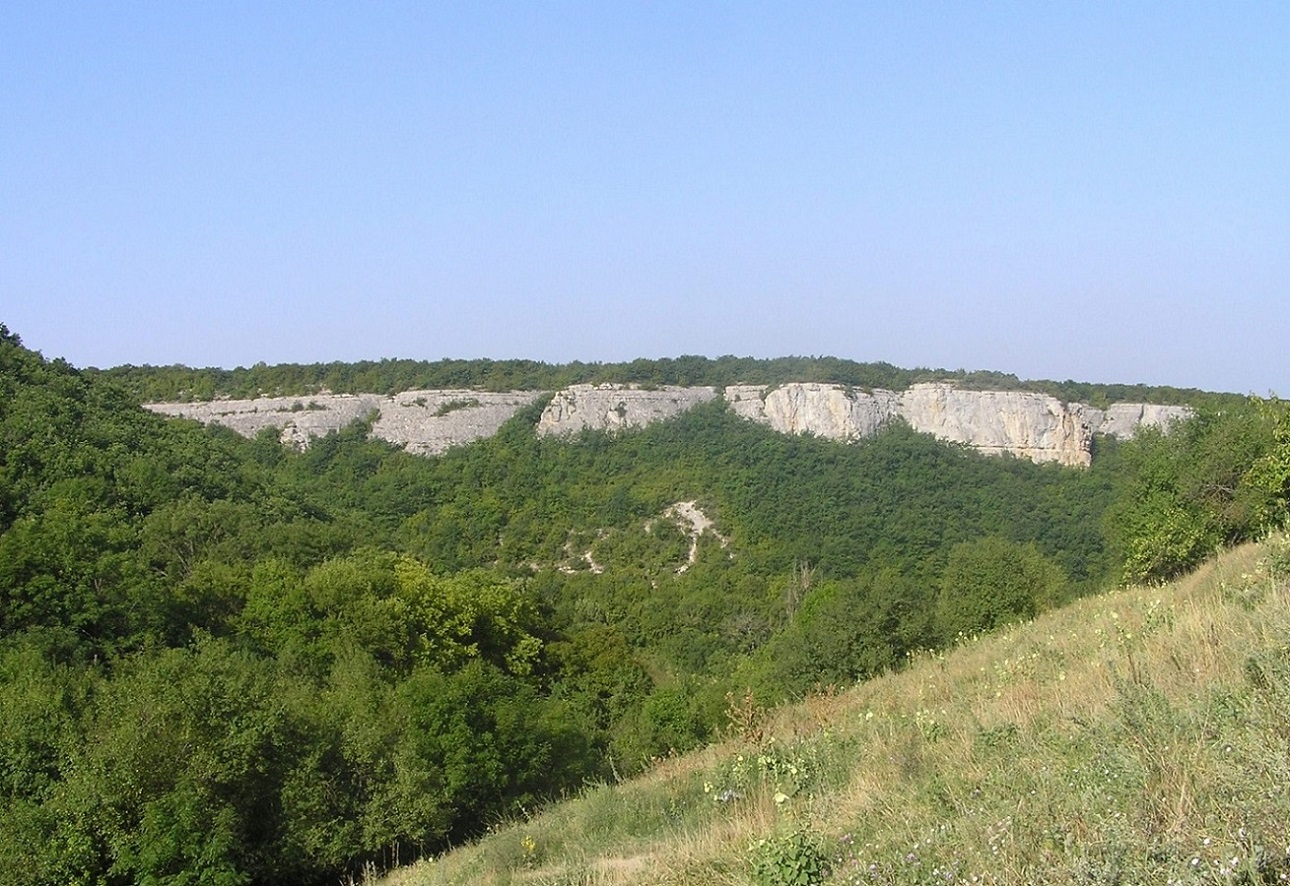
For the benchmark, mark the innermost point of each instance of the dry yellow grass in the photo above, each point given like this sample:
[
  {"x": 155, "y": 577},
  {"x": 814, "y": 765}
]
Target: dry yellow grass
[{"x": 1125, "y": 738}]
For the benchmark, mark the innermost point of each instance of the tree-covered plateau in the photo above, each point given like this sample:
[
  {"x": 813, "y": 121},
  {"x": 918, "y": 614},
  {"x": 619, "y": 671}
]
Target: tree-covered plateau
[{"x": 183, "y": 383}]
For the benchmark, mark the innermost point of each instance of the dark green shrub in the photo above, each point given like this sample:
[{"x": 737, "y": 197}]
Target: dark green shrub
[{"x": 793, "y": 859}]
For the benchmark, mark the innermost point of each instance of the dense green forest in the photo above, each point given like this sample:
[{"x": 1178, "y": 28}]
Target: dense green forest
[
  {"x": 171, "y": 383},
  {"x": 223, "y": 660}
]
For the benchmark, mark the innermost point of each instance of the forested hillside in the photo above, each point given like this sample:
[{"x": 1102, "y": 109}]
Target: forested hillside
[
  {"x": 158, "y": 383},
  {"x": 1138, "y": 736},
  {"x": 223, "y": 660}
]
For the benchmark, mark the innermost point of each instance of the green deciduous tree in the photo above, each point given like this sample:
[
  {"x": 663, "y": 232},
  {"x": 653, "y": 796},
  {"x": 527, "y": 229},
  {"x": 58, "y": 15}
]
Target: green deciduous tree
[
  {"x": 1210, "y": 481},
  {"x": 992, "y": 581},
  {"x": 1270, "y": 472}
]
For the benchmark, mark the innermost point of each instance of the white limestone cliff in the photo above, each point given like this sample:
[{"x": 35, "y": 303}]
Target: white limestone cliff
[
  {"x": 1122, "y": 419},
  {"x": 611, "y": 407},
  {"x": 1031, "y": 425},
  {"x": 297, "y": 419},
  {"x": 824, "y": 410},
  {"x": 430, "y": 422},
  {"x": 1023, "y": 423},
  {"x": 423, "y": 422}
]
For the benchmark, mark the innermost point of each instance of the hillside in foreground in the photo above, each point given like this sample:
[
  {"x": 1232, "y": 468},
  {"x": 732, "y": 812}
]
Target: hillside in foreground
[{"x": 1140, "y": 736}]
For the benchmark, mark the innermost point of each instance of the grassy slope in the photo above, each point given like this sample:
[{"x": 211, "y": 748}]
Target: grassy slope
[{"x": 1137, "y": 737}]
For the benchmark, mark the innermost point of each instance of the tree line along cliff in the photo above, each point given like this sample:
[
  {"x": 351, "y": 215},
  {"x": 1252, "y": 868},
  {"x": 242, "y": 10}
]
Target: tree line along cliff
[{"x": 391, "y": 376}]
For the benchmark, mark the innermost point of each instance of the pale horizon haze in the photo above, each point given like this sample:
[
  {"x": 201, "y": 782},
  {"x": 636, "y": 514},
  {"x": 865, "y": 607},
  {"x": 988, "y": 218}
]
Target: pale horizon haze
[{"x": 1097, "y": 191}]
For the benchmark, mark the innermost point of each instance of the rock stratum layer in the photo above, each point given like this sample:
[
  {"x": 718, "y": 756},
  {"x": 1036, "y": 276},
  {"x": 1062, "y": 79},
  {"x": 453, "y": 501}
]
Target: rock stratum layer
[
  {"x": 1022, "y": 423},
  {"x": 613, "y": 407},
  {"x": 423, "y": 422}
]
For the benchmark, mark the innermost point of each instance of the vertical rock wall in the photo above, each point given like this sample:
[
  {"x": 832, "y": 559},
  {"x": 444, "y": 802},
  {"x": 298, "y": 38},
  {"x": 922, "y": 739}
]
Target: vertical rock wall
[
  {"x": 612, "y": 407},
  {"x": 1027, "y": 424},
  {"x": 424, "y": 422},
  {"x": 1023, "y": 423},
  {"x": 808, "y": 408}
]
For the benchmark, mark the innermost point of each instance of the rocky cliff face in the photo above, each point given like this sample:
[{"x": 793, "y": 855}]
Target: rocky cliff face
[
  {"x": 612, "y": 407},
  {"x": 824, "y": 410},
  {"x": 1026, "y": 424},
  {"x": 424, "y": 422},
  {"x": 1034, "y": 426},
  {"x": 1123, "y": 419}
]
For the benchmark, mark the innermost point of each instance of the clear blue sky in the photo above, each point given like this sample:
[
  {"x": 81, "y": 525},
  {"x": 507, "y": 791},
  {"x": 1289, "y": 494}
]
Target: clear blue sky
[{"x": 1087, "y": 190}]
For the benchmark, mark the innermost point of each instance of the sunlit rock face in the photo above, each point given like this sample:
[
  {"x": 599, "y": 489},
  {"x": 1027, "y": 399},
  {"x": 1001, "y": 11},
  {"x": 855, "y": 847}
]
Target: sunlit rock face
[
  {"x": 1022, "y": 423},
  {"x": 612, "y": 407},
  {"x": 1123, "y": 419},
  {"x": 424, "y": 422},
  {"x": 830, "y": 411},
  {"x": 297, "y": 419},
  {"x": 1030, "y": 425}
]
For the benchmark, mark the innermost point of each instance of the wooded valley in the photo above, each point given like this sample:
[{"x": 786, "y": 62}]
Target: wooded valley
[{"x": 223, "y": 660}]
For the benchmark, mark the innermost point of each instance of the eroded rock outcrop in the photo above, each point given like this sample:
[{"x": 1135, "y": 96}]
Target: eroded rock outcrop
[
  {"x": 693, "y": 522},
  {"x": 611, "y": 407},
  {"x": 296, "y": 418},
  {"x": 1023, "y": 423},
  {"x": 424, "y": 422},
  {"x": 1123, "y": 419},
  {"x": 430, "y": 422},
  {"x": 1034, "y": 426},
  {"x": 830, "y": 411}
]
